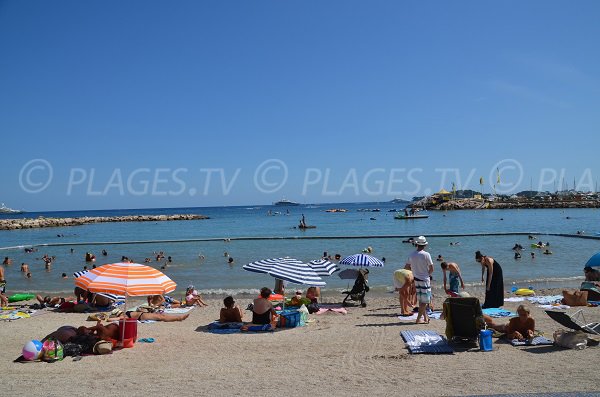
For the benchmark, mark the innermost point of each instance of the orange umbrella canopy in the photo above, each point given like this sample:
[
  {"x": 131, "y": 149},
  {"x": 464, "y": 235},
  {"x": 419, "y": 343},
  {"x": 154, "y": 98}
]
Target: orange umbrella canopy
[{"x": 129, "y": 279}]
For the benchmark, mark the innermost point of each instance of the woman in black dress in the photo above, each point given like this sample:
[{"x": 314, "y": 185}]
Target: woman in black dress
[{"x": 494, "y": 282}]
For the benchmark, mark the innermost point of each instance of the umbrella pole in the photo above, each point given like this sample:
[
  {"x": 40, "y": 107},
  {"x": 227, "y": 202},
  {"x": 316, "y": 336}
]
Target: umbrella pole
[{"x": 124, "y": 323}]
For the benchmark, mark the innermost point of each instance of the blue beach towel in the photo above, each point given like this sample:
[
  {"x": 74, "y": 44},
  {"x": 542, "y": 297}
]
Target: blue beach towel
[
  {"x": 497, "y": 312},
  {"x": 231, "y": 328}
]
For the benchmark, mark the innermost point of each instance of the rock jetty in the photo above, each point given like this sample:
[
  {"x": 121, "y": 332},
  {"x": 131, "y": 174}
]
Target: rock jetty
[
  {"x": 30, "y": 223},
  {"x": 471, "y": 204}
]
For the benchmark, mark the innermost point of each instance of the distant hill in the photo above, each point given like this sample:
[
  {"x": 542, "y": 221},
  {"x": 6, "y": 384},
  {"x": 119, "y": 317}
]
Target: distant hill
[{"x": 399, "y": 201}]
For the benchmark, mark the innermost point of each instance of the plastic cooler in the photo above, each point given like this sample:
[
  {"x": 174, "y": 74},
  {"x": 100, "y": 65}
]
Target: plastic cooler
[
  {"x": 485, "y": 340},
  {"x": 128, "y": 335},
  {"x": 289, "y": 319}
]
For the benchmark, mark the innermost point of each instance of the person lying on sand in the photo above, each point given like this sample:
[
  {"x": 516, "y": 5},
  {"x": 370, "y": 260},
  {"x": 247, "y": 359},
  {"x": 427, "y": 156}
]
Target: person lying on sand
[
  {"x": 48, "y": 301},
  {"x": 522, "y": 327},
  {"x": 142, "y": 316},
  {"x": 166, "y": 301}
]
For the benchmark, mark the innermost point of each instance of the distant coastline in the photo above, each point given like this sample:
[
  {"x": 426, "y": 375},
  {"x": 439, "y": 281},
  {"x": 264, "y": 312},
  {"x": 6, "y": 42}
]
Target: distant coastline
[{"x": 32, "y": 223}]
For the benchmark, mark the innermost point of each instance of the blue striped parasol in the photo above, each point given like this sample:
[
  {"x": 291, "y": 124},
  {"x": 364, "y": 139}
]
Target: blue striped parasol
[
  {"x": 362, "y": 260},
  {"x": 288, "y": 269},
  {"x": 323, "y": 267}
]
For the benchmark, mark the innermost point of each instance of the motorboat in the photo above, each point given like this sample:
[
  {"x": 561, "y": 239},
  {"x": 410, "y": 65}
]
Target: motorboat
[
  {"x": 286, "y": 202},
  {"x": 5, "y": 210},
  {"x": 402, "y": 216}
]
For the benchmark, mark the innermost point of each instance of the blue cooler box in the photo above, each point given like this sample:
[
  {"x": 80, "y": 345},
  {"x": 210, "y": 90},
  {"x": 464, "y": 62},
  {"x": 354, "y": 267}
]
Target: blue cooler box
[{"x": 289, "y": 319}]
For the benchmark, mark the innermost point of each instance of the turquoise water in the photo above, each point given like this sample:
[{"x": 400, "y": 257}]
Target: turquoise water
[{"x": 214, "y": 274}]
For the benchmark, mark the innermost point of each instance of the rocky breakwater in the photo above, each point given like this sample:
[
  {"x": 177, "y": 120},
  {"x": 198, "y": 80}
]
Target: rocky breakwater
[
  {"x": 30, "y": 223},
  {"x": 469, "y": 204}
]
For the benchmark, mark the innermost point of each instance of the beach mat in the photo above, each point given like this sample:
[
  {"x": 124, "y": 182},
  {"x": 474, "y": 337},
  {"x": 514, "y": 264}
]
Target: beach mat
[
  {"x": 538, "y": 340},
  {"x": 426, "y": 342},
  {"x": 233, "y": 328}
]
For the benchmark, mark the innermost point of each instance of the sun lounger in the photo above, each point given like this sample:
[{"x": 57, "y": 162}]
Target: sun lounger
[{"x": 575, "y": 321}]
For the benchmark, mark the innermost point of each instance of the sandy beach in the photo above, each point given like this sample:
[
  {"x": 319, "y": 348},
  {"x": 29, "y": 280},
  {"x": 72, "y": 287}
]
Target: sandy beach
[{"x": 335, "y": 354}]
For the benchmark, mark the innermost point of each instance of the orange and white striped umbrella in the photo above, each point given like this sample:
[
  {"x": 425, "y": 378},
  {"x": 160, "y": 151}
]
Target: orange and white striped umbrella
[{"x": 129, "y": 279}]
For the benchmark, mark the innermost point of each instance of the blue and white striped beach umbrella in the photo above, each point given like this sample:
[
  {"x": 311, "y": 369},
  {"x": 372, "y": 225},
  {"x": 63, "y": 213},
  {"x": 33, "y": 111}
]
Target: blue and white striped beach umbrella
[
  {"x": 362, "y": 260},
  {"x": 323, "y": 267},
  {"x": 288, "y": 269}
]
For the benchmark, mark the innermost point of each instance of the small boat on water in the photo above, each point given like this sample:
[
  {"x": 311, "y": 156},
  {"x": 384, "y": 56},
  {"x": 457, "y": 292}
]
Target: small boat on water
[
  {"x": 5, "y": 210},
  {"x": 286, "y": 202},
  {"x": 402, "y": 216}
]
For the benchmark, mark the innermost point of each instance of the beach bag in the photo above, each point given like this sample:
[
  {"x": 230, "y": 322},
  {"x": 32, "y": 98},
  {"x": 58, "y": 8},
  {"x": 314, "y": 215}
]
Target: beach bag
[
  {"x": 571, "y": 339},
  {"x": 303, "y": 315},
  {"x": 52, "y": 350},
  {"x": 71, "y": 349}
]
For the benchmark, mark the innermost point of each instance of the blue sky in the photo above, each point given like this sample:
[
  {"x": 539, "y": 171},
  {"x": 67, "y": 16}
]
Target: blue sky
[{"x": 153, "y": 104}]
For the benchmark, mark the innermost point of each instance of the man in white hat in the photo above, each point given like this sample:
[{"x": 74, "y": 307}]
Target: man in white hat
[{"x": 422, "y": 267}]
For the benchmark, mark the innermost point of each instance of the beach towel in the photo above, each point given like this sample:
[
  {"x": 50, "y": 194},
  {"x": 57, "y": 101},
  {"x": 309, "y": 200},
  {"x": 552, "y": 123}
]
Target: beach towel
[
  {"x": 538, "y": 340},
  {"x": 413, "y": 317},
  {"x": 14, "y": 315},
  {"x": 332, "y": 309},
  {"x": 545, "y": 300},
  {"x": 231, "y": 328},
  {"x": 550, "y": 307},
  {"x": 427, "y": 342},
  {"x": 178, "y": 310},
  {"x": 498, "y": 312},
  {"x": 514, "y": 299}
]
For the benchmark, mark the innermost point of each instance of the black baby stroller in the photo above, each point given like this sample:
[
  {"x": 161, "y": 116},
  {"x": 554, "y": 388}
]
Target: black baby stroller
[{"x": 360, "y": 288}]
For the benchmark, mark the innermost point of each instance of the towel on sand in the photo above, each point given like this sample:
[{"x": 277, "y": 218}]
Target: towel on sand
[
  {"x": 498, "y": 312},
  {"x": 538, "y": 340}
]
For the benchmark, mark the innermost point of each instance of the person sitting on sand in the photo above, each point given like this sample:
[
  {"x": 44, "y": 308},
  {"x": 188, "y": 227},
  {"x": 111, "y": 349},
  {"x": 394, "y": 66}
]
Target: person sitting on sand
[
  {"x": 192, "y": 297},
  {"x": 313, "y": 293},
  {"x": 262, "y": 310},
  {"x": 591, "y": 274},
  {"x": 231, "y": 313},
  {"x": 522, "y": 327},
  {"x": 454, "y": 278},
  {"x": 404, "y": 283}
]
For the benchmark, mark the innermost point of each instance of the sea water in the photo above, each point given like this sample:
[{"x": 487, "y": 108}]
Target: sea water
[{"x": 271, "y": 231}]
